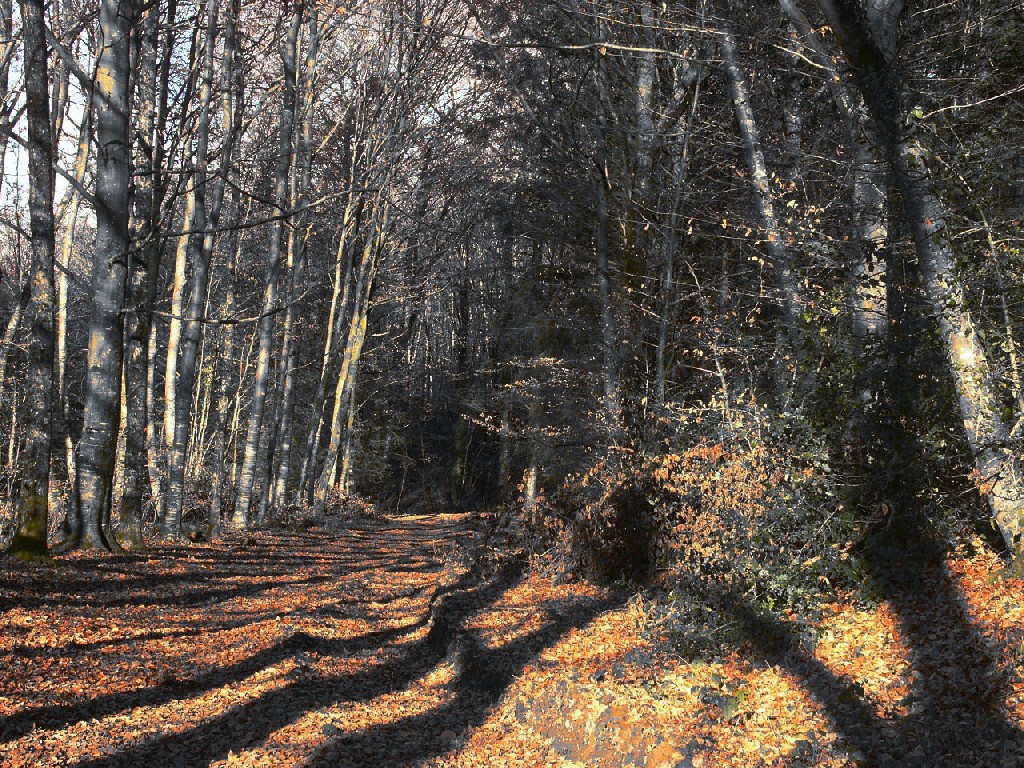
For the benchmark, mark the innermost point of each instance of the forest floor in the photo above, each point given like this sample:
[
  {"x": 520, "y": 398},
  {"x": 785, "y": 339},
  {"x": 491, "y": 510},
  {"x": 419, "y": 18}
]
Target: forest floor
[{"x": 377, "y": 645}]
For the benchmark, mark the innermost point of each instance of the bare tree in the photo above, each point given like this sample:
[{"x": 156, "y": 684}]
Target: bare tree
[
  {"x": 97, "y": 445},
  {"x": 30, "y": 538}
]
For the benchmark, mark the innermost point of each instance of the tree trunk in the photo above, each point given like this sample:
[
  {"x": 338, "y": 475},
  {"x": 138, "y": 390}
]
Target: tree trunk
[
  {"x": 233, "y": 102},
  {"x": 142, "y": 286},
  {"x": 680, "y": 170},
  {"x": 868, "y": 49},
  {"x": 353, "y": 349},
  {"x": 609, "y": 347},
  {"x": 345, "y": 471},
  {"x": 113, "y": 171},
  {"x": 224, "y": 424},
  {"x": 176, "y": 319},
  {"x": 781, "y": 258},
  {"x": 71, "y": 211},
  {"x": 7, "y": 47},
  {"x": 336, "y": 319},
  {"x": 11, "y": 332},
  {"x": 870, "y": 193},
  {"x": 246, "y": 478},
  {"x": 33, "y": 506},
  {"x": 200, "y": 252},
  {"x": 297, "y": 246}
]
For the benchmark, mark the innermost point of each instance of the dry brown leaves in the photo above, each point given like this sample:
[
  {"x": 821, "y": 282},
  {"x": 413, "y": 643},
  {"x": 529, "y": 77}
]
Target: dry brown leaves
[{"x": 374, "y": 647}]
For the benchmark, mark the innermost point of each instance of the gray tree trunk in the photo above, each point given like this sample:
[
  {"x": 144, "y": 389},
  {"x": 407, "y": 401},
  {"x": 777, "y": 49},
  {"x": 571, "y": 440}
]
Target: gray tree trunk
[
  {"x": 355, "y": 339},
  {"x": 234, "y": 100},
  {"x": 297, "y": 245},
  {"x": 343, "y": 277},
  {"x": 680, "y": 170},
  {"x": 63, "y": 268},
  {"x": 248, "y": 473},
  {"x": 142, "y": 287},
  {"x": 33, "y": 504},
  {"x": 868, "y": 40},
  {"x": 870, "y": 193},
  {"x": 773, "y": 239},
  {"x": 609, "y": 346},
  {"x": 7, "y": 49},
  {"x": 201, "y": 247},
  {"x": 97, "y": 446}
]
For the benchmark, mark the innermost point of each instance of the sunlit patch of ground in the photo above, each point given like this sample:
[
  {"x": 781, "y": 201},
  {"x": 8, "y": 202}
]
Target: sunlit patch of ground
[
  {"x": 372, "y": 645},
  {"x": 929, "y": 678}
]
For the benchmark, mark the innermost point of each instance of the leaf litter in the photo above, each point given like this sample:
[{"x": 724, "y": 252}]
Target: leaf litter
[{"x": 383, "y": 645}]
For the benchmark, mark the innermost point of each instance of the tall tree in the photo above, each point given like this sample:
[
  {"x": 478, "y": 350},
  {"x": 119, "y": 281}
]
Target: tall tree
[
  {"x": 30, "y": 537},
  {"x": 868, "y": 36},
  {"x": 97, "y": 446},
  {"x": 275, "y": 253},
  {"x": 201, "y": 245}
]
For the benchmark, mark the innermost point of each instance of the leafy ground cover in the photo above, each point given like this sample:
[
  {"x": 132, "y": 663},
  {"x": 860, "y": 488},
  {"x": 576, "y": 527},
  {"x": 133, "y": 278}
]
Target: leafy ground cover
[{"x": 380, "y": 644}]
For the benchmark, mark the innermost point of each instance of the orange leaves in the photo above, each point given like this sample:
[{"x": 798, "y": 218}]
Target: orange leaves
[{"x": 316, "y": 650}]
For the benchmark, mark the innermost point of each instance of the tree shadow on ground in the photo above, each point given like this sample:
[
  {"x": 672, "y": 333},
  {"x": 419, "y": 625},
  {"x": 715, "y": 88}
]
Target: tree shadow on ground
[
  {"x": 956, "y": 711},
  {"x": 54, "y": 717},
  {"x": 161, "y": 592},
  {"x": 484, "y": 675}
]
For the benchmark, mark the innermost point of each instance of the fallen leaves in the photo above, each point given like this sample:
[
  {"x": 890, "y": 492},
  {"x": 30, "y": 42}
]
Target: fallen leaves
[{"x": 366, "y": 648}]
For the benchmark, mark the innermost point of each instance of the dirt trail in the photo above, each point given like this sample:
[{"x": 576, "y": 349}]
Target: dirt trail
[{"x": 371, "y": 646}]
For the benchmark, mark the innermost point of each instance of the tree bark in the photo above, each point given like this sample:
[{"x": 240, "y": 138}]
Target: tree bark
[
  {"x": 868, "y": 45},
  {"x": 240, "y": 519},
  {"x": 609, "y": 347},
  {"x": 297, "y": 245},
  {"x": 33, "y": 505},
  {"x": 201, "y": 252},
  {"x": 224, "y": 414},
  {"x": 113, "y": 171},
  {"x": 7, "y": 48},
  {"x": 870, "y": 193},
  {"x": 71, "y": 212},
  {"x": 353, "y": 350},
  {"x": 142, "y": 288},
  {"x": 680, "y": 171},
  {"x": 233, "y": 102},
  {"x": 336, "y": 319},
  {"x": 778, "y": 253}
]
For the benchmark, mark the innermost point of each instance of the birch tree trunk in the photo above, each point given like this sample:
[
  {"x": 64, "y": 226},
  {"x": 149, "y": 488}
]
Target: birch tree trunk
[
  {"x": 113, "y": 171},
  {"x": 33, "y": 505},
  {"x": 240, "y": 519}
]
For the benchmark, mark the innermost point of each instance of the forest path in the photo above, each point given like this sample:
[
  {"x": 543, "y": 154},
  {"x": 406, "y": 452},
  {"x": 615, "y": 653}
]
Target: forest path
[
  {"x": 372, "y": 645},
  {"x": 377, "y": 644}
]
